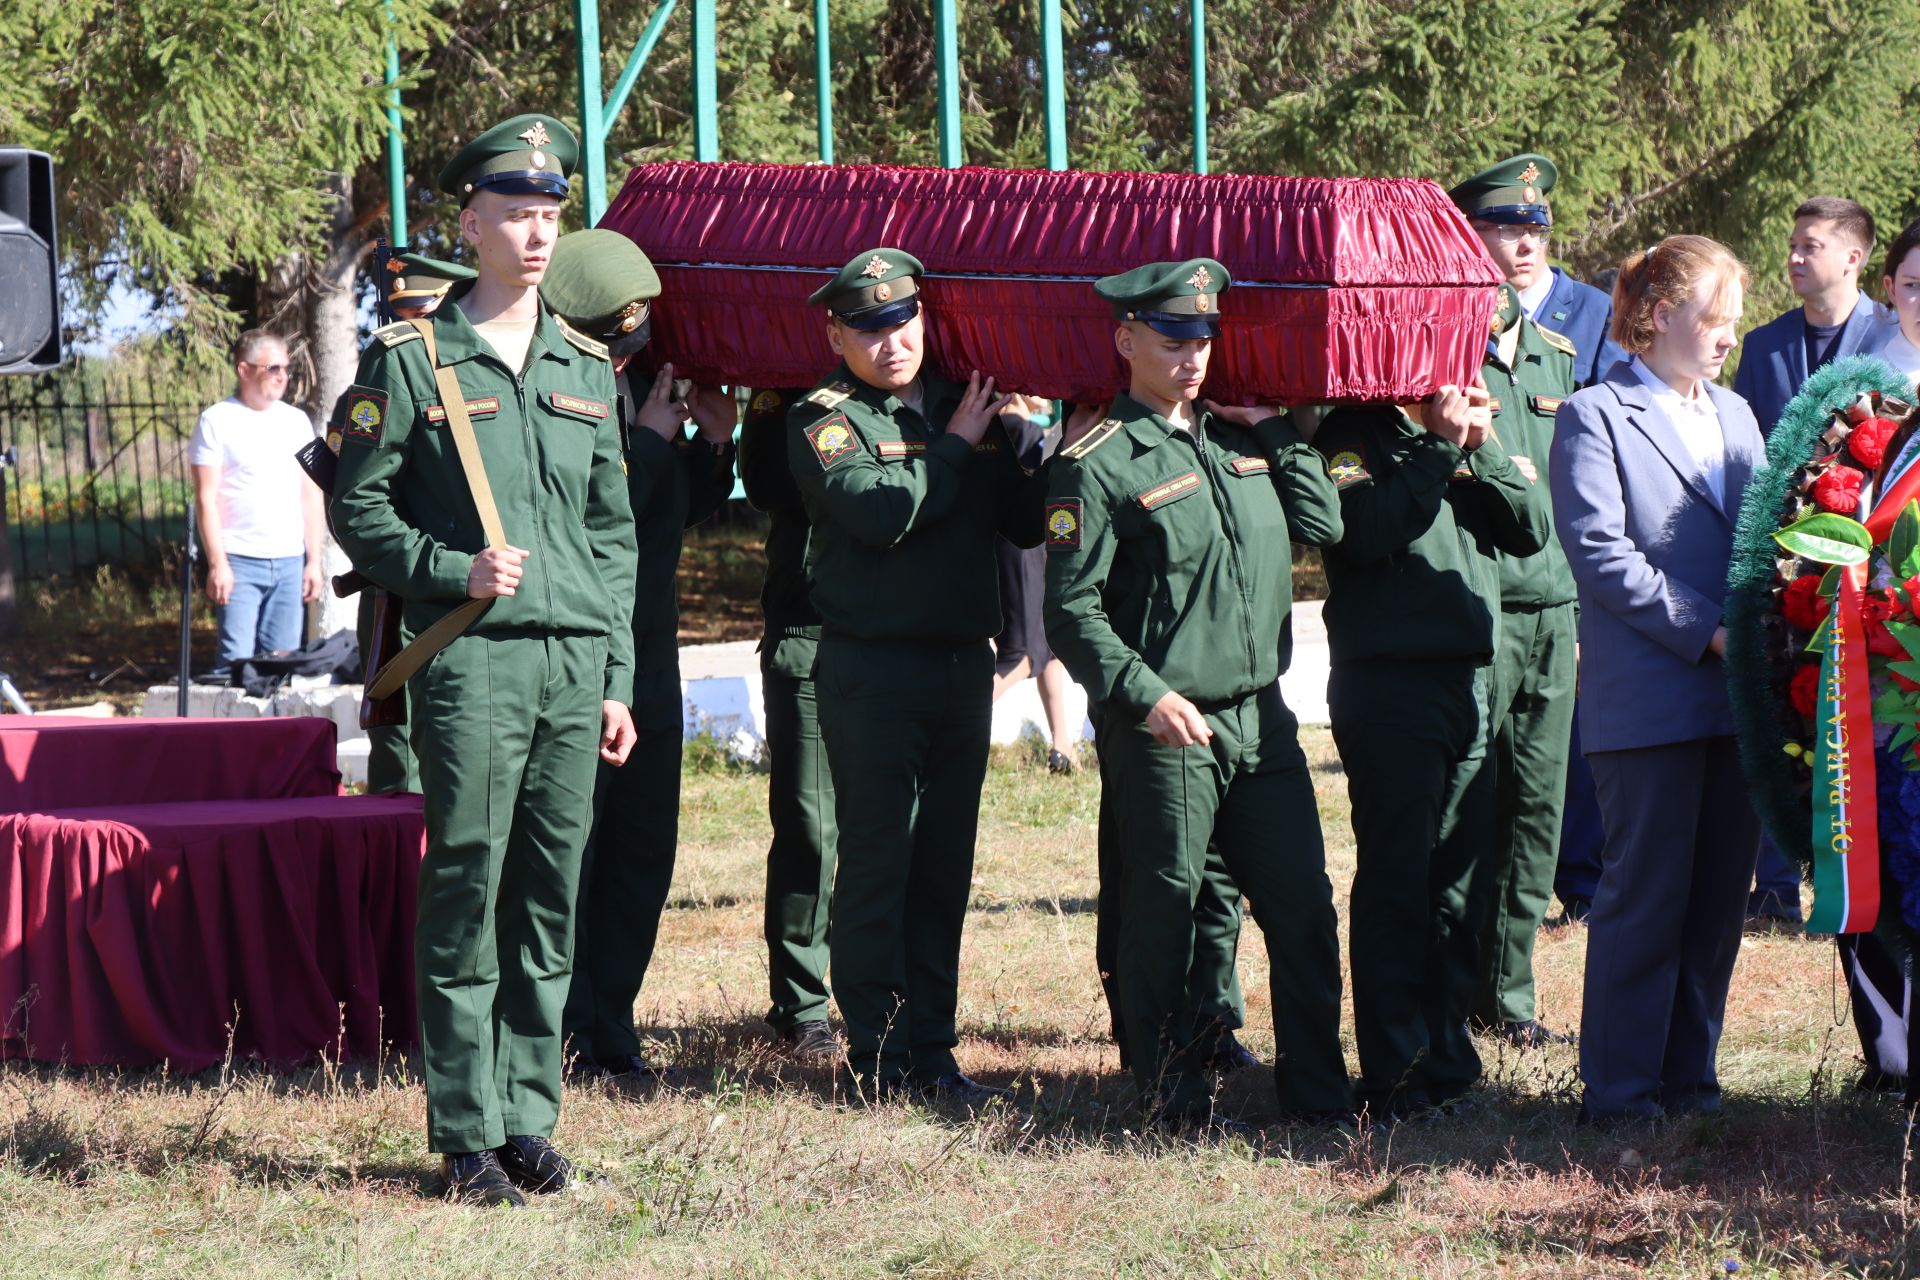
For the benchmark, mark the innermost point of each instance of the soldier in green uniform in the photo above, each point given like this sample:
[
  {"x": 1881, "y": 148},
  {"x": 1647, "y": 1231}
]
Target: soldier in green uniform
[
  {"x": 503, "y": 495},
  {"x": 1528, "y": 371},
  {"x": 1412, "y": 615},
  {"x": 800, "y": 858},
  {"x": 603, "y": 284},
  {"x": 905, "y": 477},
  {"x": 1169, "y": 580}
]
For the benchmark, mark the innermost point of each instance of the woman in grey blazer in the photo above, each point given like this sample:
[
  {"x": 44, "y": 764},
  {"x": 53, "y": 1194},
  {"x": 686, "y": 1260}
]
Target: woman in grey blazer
[{"x": 1647, "y": 470}]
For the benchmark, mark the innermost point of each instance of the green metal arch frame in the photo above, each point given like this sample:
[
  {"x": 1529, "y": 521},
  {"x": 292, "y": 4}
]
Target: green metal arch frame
[{"x": 599, "y": 112}]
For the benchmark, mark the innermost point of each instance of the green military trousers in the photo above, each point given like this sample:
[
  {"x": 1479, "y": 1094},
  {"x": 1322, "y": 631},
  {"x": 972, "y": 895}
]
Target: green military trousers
[
  {"x": 800, "y": 859},
  {"x": 1532, "y": 727},
  {"x": 1213, "y": 983},
  {"x": 506, "y": 727},
  {"x": 906, "y": 726},
  {"x": 1249, "y": 794},
  {"x": 1413, "y": 738},
  {"x": 390, "y": 765},
  {"x": 626, "y": 872}
]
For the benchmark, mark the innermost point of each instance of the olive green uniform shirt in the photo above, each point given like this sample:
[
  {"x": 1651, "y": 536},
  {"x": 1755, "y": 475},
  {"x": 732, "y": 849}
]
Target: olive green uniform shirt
[
  {"x": 903, "y": 513},
  {"x": 1168, "y": 557},
  {"x": 550, "y": 442},
  {"x": 1528, "y": 395},
  {"x": 1413, "y": 576}
]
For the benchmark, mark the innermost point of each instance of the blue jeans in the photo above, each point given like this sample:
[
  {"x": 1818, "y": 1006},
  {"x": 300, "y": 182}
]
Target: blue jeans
[{"x": 264, "y": 611}]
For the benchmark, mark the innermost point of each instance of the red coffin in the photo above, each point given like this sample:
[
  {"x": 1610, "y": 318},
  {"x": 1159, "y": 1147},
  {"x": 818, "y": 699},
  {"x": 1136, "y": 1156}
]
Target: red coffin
[{"x": 1345, "y": 289}]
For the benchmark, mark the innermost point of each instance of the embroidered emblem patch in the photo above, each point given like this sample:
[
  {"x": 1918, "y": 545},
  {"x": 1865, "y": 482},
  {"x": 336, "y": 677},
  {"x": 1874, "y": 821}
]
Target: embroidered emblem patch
[
  {"x": 1346, "y": 467},
  {"x": 1547, "y": 404},
  {"x": 832, "y": 440},
  {"x": 1161, "y": 494},
  {"x": 1250, "y": 466},
  {"x": 1063, "y": 523},
  {"x": 475, "y": 409},
  {"x": 333, "y": 441},
  {"x": 765, "y": 402},
  {"x": 574, "y": 404},
  {"x": 893, "y": 449},
  {"x": 366, "y": 415}
]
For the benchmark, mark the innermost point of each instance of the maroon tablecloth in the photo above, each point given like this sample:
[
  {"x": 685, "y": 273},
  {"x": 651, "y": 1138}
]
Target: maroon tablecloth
[
  {"x": 131, "y": 934},
  {"x": 60, "y": 762}
]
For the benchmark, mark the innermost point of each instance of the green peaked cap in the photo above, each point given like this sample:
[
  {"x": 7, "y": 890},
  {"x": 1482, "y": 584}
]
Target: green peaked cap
[
  {"x": 878, "y": 288},
  {"x": 1506, "y": 309},
  {"x": 601, "y": 282},
  {"x": 1513, "y": 191},
  {"x": 1179, "y": 299},
  {"x": 526, "y": 155}
]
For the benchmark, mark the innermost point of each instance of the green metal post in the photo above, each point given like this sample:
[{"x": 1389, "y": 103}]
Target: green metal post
[
  {"x": 617, "y": 97},
  {"x": 593, "y": 132},
  {"x": 946, "y": 70},
  {"x": 396, "y": 149},
  {"x": 706, "y": 112},
  {"x": 823, "y": 78},
  {"x": 1054, "y": 63},
  {"x": 1199, "y": 85}
]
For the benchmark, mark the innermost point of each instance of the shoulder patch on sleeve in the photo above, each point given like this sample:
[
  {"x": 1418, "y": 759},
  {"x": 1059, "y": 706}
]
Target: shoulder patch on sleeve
[
  {"x": 1557, "y": 341},
  {"x": 1347, "y": 467},
  {"x": 1092, "y": 440},
  {"x": 1063, "y": 524},
  {"x": 829, "y": 396},
  {"x": 394, "y": 334},
  {"x": 832, "y": 440},
  {"x": 365, "y": 419},
  {"x": 593, "y": 347}
]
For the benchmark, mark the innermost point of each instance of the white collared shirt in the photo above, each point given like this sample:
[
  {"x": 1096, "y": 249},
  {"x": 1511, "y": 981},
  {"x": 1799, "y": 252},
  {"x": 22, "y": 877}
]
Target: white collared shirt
[
  {"x": 1536, "y": 293},
  {"x": 1698, "y": 425}
]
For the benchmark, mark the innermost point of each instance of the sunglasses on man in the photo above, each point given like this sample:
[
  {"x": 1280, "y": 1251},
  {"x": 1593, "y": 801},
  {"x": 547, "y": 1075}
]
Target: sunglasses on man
[{"x": 271, "y": 369}]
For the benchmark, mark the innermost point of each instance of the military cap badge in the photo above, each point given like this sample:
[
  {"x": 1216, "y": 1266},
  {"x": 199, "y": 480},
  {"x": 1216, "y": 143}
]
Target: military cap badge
[
  {"x": 1530, "y": 174},
  {"x": 1201, "y": 279},
  {"x": 537, "y": 135},
  {"x": 876, "y": 267}
]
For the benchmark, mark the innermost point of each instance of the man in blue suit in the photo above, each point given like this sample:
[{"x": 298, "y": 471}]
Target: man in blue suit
[{"x": 1832, "y": 241}]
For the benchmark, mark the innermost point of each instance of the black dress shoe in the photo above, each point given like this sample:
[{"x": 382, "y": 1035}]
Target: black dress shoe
[
  {"x": 633, "y": 1066},
  {"x": 811, "y": 1042},
  {"x": 1533, "y": 1034},
  {"x": 1229, "y": 1055},
  {"x": 531, "y": 1163},
  {"x": 958, "y": 1087},
  {"x": 475, "y": 1177},
  {"x": 1572, "y": 911}
]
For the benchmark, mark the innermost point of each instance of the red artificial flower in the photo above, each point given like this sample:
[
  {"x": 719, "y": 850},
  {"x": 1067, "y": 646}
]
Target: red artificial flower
[
  {"x": 1868, "y": 443},
  {"x": 1805, "y": 689},
  {"x": 1838, "y": 490},
  {"x": 1902, "y": 597},
  {"x": 1880, "y": 640},
  {"x": 1803, "y": 605}
]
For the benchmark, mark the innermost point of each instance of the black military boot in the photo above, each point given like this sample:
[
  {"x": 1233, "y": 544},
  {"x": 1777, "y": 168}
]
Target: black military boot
[
  {"x": 475, "y": 1177},
  {"x": 532, "y": 1164}
]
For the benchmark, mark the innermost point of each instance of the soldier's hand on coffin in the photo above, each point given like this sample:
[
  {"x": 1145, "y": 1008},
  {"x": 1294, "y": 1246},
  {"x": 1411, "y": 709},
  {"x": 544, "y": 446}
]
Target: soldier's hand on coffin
[
  {"x": 977, "y": 409},
  {"x": 1526, "y": 468},
  {"x": 1479, "y": 414},
  {"x": 715, "y": 413},
  {"x": 1084, "y": 418},
  {"x": 495, "y": 572},
  {"x": 660, "y": 413},
  {"x": 1177, "y": 722},
  {"x": 1448, "y": 415},
  {"x": 1244, "y": 414}
]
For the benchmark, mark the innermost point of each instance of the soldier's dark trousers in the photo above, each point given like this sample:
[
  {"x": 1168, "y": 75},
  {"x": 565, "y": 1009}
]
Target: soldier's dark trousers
[
  {"x": 800, "y": 861},
  {"x": 1213, "y": 983},
  {"x": 906, "y": 727},
  {"x": 1249, "y": 793},
  {"x": 507, "y": 731},
  {"x": 1413, "y": 737},
  {"x": 1532, "y": 726},
  {"x": 626, "y": 873}
]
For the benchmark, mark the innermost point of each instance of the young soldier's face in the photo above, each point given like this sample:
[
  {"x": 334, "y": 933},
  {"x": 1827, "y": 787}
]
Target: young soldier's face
[
  {"x": 1170, "y": 368},
  {"x": 885, "y": 358},
  {"x": 1819, "y": 257},
  {"x": 1519, "y": 251},
  {"x": 511, "y": 235}
]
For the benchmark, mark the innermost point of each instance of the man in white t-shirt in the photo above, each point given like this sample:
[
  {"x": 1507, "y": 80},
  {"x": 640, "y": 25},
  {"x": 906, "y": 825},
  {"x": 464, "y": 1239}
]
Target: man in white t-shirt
[{"x": 260, "y": 517}]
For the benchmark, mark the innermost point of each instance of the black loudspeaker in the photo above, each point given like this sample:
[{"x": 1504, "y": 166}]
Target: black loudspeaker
[{"x": 29, "y": 254}]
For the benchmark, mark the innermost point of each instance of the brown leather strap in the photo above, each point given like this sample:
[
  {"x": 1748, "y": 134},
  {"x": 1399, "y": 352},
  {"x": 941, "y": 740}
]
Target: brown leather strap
[{"x": 443, "y": 632}]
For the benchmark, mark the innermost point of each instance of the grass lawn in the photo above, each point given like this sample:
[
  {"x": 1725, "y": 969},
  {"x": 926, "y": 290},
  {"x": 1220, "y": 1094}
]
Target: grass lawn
[{"x": 761, "y": 1170}]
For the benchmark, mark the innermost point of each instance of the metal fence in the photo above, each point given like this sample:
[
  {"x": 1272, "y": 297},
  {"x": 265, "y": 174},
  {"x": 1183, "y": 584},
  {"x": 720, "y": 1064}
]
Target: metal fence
[{"x": 99, "y": 472}]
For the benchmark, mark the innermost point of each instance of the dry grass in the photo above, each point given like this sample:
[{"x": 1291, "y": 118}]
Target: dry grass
[{"x": 764, "y": 1170}]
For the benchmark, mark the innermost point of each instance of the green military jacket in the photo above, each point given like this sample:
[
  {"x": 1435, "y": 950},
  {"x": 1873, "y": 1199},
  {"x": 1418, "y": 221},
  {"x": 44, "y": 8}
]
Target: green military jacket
[
  {"x": 903, "y": 514},
  {"x": 1169, "y": 564},
  {"x": 792, "y": 635},
  {"x": 1526, "y": 397},
  {"x": 550, "y": 441},
  {"x": 1413, "y": 576}
]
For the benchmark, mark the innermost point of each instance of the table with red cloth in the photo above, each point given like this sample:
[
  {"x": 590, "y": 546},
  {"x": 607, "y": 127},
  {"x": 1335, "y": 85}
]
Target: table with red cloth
[
  {"x": 59, "y": 762},
  {"x": 131, "y": 933}
]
